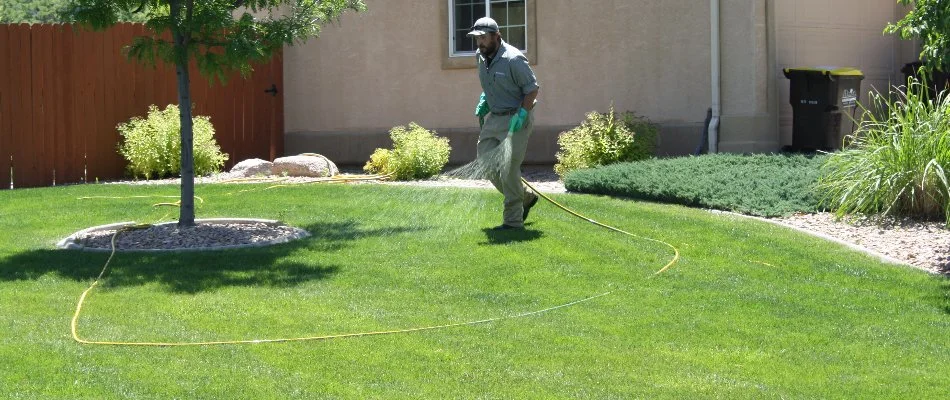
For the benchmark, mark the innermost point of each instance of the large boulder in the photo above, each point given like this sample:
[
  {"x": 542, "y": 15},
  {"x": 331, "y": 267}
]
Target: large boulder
[
  {"x": 312, "y": 165},
  {"x": 252, "y": 167}
]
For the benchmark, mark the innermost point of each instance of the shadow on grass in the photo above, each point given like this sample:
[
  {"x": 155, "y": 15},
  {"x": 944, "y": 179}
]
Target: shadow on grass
[
  {"x": 510, "y": 236},
  {"x": 944, "y": 270},
  {"x": 193, "y": 272},
  {"x": 944, "y": 297}
]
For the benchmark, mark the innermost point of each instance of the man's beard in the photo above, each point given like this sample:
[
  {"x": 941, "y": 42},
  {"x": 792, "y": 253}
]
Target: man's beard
[{"x": 489, "y": 49}]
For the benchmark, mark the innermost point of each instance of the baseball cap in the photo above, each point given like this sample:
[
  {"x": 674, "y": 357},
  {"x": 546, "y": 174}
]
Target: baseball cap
[{"x": 482, "y": 26}]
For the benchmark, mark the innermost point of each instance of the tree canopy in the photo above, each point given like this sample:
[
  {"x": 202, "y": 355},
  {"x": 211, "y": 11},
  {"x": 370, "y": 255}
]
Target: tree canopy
[
  {"x": 221, "y": 36},
  {"x": 43, "y": 12},
  {"x": 929, "y": 21}
]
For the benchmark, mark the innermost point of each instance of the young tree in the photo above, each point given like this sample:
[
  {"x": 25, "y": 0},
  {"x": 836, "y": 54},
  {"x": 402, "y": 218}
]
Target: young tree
[
  {"x": 43, "y": 12},
  {"x": 33, "y": 12},
  {"x": 222, "y": 36},
  {"x": 929, "y": 21}
]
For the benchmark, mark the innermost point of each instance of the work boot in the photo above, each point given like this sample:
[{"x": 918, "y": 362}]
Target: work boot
[
  {"x": 504, "y": 227},
  {"x": 528, "y": 205}
]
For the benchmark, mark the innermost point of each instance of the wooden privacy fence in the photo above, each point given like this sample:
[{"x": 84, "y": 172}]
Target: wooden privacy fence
[{"x": 64, "y": 89}]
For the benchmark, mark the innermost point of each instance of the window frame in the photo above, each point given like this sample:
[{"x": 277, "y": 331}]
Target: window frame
[{"x": 452, "y": 60}]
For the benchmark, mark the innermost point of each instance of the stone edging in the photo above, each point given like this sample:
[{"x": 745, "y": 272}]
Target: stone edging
[
  {"x": 75, "y": 242},
  {"x": 881, "y": 257}
]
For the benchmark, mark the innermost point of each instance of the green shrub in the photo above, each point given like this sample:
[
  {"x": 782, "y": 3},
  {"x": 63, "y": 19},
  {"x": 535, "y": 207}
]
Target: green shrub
[
  {"x": 152, "y": 146},
  {"x": 897, "y": 160},
  {"x": 417, "y": 153},
  {"x": 605, "y": 138},
  {"x": 763, "y": 185},
  {"x": 929, "y": 22}
]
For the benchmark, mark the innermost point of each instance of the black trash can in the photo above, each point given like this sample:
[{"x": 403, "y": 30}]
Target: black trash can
[
  {"x": 824, "y": 101},
  {"x": 937, "y": 81}
]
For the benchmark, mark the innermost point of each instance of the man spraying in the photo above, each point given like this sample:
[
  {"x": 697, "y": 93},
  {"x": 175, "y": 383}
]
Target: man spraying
[{"x": 510, "y": 90}]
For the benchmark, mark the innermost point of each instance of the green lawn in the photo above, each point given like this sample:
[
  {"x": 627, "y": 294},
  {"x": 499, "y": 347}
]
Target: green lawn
[{"x": 750, "y": 311}]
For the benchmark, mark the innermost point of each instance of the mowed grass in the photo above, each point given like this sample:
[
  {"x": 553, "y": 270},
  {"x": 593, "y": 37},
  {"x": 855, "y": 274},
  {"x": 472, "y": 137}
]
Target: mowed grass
[{"x": 751, "y": 310}]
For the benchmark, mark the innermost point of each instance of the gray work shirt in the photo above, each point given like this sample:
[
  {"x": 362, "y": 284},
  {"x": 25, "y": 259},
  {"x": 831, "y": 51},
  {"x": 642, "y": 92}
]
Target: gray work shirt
[{"x": 507, "y": 79}]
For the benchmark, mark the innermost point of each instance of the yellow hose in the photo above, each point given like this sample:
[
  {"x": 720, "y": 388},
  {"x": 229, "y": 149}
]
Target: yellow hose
[
  {"x": 337, "y": 179},
  {"x": 200, "y": 200},
  {"x": 74, "y": 324},
  {"x": 676, "y": 252},
  {"x": 331, "y": 179}
]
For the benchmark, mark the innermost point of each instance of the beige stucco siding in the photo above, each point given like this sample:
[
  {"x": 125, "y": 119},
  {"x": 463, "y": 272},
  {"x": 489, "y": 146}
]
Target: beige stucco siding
[
  {"x": 748, "y": 122},
  {"x": 383, "y": 67},
  {"x": 845, "y": 33},
  {"x": 387, "y": 66},
  {"x": 375, "y": 69},
  {"x": 647, "y": 56}
]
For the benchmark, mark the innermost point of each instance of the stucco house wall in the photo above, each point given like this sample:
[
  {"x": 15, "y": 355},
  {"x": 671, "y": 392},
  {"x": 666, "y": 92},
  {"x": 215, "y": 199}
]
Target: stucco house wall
[
  {"x": 839, "y": 33},
  {"x": 387, "y": 66}
]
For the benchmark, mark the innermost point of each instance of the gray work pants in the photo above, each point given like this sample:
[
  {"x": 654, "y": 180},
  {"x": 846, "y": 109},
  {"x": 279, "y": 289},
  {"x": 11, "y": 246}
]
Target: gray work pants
[{"x": 509, "y": 183}]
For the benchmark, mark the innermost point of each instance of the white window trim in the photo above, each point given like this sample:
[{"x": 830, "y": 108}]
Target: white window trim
[
  {"x": 463, "y": 61},
  {"x": 451, "y": 36}
]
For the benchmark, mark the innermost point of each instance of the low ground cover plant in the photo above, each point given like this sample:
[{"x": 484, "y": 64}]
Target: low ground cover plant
[
  {"x": 898, "y": 161},
  {"x": 417, "y": 153},
  {"x": 605, "y": 138},
  {"x": 763, "y": 184},
  {"x": 152, "y": 145}
]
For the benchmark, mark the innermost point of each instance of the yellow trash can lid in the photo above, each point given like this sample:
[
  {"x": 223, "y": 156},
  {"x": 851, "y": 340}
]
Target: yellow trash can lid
[{"x": 833, "y": 71}]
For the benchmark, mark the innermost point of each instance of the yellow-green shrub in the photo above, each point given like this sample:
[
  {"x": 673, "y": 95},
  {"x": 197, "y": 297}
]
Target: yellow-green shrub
[
  {"x": 605, "y": 138},
  {"x": 152, "y": 145},
  {"x": 417, "y": 153}
]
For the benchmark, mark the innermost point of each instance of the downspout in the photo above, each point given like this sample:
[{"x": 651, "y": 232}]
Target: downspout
[{"x": 713, "y": 132}]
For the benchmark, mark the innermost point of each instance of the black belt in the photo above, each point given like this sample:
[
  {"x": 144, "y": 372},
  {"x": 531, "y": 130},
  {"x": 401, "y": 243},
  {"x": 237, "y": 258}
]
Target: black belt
[{"x": 509, "y": 112}]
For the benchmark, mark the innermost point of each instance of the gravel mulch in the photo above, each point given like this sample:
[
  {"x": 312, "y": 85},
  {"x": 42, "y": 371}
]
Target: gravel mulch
[
  {"x": 925, "y": 245},
  {"x": 922, "y": 244},
  {"x": 205, "y": 235}
]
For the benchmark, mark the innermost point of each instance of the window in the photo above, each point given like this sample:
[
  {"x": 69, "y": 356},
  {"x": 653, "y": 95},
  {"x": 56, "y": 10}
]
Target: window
[
  {"x": 515, "y": 23},
  {"x": 510, "y": 15}
]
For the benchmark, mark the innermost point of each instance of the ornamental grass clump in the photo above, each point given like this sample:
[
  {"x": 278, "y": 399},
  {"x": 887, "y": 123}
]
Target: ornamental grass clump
[
  {"x": 896, "y": 163},
  {"x": 605, "y": 138},
  {"x": 417, "y": 153},
  {"x": 152, "y": 145}
]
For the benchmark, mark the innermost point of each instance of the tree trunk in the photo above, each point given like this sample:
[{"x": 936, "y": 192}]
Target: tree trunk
[{"x": 186, "y": 216}]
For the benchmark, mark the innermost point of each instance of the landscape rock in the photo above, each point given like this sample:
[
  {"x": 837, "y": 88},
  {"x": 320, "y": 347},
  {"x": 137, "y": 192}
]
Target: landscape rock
[
  {"x": 305, "y": 165},
  {"x": 252, "y": 167}
]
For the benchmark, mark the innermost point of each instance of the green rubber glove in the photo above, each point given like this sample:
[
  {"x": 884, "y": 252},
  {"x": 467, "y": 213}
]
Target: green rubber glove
[
  {"x": 481, "y": 110},
  {"x": 517, "y": 121}
]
